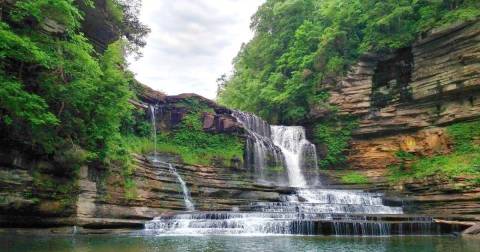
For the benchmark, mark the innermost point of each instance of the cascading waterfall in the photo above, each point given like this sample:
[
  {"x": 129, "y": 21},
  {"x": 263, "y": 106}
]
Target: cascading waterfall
[
  {"x": 186, "y": 193},
  {"x": 309, "y": 211},
  {"x": 261, "y": 151},
  {"x": 293, "y": 143}
]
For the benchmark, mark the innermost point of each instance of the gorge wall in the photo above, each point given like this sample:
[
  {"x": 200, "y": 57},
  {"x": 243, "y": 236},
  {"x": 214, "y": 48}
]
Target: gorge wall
[
  {"x": 404, "y": 102},
  {"x": 34, "y": 192}
]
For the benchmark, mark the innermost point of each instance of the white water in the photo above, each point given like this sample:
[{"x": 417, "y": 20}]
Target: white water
[
  {"x": 189, "y": 206},
  {"x": 154, "y": 130},
  {"x": 186, "y": 194},
  {"x": 292, "y": 141},
  {"x": 261, "y": 151}
]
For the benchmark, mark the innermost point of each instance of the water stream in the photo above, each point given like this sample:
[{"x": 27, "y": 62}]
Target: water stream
[{"x": 154, "y": 130}]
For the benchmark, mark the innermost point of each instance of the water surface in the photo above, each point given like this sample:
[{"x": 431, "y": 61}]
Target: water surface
[{"x": 123, "y": 243}]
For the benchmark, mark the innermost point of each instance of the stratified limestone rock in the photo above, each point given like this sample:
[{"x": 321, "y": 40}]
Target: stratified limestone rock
[
  {"x": 444, "y": 86},
  {"x": 444, "y": 89},
  {"x": 157, "y": 191},
  {"x": 378, "y": 153},
  {"x": 394, "y": 117},
  {"x": 102, "y": 199},
  {"x": 472, "y": 231}
]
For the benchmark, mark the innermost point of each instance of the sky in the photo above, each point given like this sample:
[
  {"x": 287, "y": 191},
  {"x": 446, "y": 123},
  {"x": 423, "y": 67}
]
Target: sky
[{"x": 192, "y": 43}]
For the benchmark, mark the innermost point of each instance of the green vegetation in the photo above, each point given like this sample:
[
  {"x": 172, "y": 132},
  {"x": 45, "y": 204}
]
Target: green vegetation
[
  {"x": 354, "y": 178},
  {"x": 60, "y": 98},
  {"x": 188, "y": 140},
  {"x": 115, "y": 10},
  {"x": 62, "y": 190},
  {"x": 334, "y": 134},
  {"x": 198, "y": 147},
  {"x": 464, "y": 161},
  {"x": 301, "y": 47}
]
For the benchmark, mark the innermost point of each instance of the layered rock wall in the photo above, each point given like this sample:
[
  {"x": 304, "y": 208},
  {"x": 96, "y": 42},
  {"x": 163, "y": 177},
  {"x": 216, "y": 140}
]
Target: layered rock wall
[
  {"x": 444, "y": 89},
  {"x": 403, "y": 103},
  {"x": 100, "y": 198}
]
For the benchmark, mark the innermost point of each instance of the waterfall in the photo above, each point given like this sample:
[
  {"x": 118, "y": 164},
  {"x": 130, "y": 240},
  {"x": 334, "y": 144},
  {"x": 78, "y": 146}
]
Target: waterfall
[
  {"x": 186, "y": 194},
  {"x": 294, "y": 145},
  {"x": 261, "y": 152},
  {"x": 154, "y": 130},
  {"x": 280, "y": 146},
  {"x": 334, "y": 212},
  {"x": 307, "y": 211}
]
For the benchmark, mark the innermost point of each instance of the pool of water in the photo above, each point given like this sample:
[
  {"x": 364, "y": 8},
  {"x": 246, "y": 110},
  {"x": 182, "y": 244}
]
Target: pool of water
[{"x": 121, "y": 243}]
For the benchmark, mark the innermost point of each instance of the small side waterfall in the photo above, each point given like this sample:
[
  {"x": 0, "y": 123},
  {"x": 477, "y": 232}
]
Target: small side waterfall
[
  {"x": 189, "y": 206},
  {"x": 154, "y": 130},
  {"x": 186, "y": 194}
]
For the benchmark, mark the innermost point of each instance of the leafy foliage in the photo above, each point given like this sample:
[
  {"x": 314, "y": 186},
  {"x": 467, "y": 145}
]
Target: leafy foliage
[
  {"x": 354, "y": 178},
  {"x": 57, "y": 95},
  {"x": 301, "y": 46},
  {"x": 188, "y": 140},
  {"x": 198, "y": 147},
  {"x": 334, "y": 134},
  {"x": 125, "y": 13}
]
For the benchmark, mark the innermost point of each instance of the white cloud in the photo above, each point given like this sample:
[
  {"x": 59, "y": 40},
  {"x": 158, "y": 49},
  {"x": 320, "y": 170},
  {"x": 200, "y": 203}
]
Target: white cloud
[{"x": 192, "y": 43}]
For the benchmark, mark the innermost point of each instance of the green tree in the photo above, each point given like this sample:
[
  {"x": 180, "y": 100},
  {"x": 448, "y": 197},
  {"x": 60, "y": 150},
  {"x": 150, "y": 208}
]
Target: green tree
[{"x": 300, "y": 48}]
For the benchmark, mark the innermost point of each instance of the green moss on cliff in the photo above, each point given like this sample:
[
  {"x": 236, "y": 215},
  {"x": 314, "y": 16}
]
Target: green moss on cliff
[
  {"x": 196, "y": 146},
  {"x": 334, "y": 135},
  {"x": 464, "y": 161},
  {"x": 354, "y": 178}
]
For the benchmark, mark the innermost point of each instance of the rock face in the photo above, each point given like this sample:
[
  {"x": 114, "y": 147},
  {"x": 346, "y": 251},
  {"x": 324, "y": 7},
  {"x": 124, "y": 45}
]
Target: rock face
[
  {"x": 170, "y": 111},
  {"x": 404, "y": 101},
  {"x": 444, "y": 86},
  {"x": 98, "y": 25},
  {"x": 103, "y": 199}
]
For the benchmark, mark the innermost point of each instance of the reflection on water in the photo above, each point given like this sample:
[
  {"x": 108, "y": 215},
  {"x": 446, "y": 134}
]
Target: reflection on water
[{"x": 109, "y": 243}]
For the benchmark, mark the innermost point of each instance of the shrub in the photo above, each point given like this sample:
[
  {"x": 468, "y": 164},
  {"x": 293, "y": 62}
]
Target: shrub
[
  {"x": 354, "y": 178},
  {"x": 334, "y": 134}
]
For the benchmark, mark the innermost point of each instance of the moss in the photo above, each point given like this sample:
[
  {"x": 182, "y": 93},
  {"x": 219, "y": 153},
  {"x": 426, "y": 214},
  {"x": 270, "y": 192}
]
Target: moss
[
  {"x": 463, "y": 161},
  {"x": 195, "y": 105},
  {"x": 63, "y": 190},
  {"x": 354, "y": 178},
  {"x": 189, "y": 141},
  {"x": 130, "y": 189}
]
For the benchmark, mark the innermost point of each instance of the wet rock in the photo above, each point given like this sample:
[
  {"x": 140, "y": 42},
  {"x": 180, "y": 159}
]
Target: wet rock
[
  {"x": 208, "y": 121},
  {"x": 472, "y": 231}
]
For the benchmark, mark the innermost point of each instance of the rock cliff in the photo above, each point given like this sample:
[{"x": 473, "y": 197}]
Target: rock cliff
[{"x": 404, "y": 101}]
